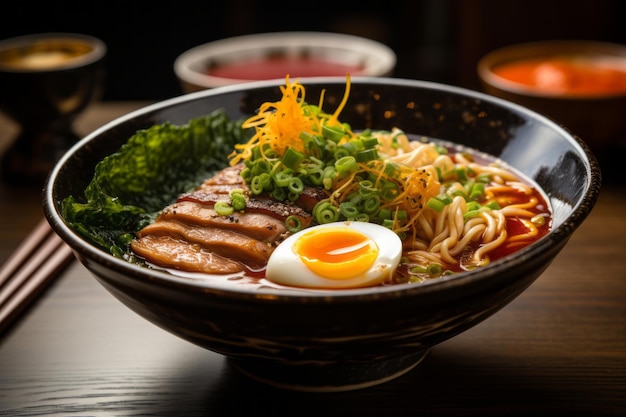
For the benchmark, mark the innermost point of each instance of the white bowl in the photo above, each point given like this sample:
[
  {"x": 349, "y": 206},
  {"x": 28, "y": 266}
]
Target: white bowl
[{"x": 371, "y": 57}]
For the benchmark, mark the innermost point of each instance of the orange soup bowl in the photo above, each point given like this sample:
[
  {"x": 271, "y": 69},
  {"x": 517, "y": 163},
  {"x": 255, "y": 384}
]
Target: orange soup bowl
[{"x": 579, "y": 84}]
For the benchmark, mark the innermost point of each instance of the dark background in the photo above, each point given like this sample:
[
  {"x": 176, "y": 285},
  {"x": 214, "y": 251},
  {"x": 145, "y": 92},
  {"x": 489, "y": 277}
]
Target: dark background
[{"x": 437, "y": 40}]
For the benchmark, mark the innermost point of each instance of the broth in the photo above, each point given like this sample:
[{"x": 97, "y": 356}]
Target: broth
[
  {"x": 43, "y": 55},
  {"x": 279, "y": 66}
]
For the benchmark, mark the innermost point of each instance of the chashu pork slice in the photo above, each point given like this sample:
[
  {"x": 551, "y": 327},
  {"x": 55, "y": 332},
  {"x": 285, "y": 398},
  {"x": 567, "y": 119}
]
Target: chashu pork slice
[
  {"x": 255, "y": 225},
  {"x": 172, "y": 252},
  {"x": 262, "y": 204},
  {"x": 225, "y": 243}
]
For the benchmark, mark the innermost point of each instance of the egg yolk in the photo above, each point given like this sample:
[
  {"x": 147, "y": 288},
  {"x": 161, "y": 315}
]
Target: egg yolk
[{"x": 336, "y": 253}]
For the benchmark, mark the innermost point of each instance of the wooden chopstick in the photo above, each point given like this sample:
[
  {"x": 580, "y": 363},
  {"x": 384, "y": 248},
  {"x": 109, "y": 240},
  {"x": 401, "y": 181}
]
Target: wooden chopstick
[{"x": 29, "y": 270}]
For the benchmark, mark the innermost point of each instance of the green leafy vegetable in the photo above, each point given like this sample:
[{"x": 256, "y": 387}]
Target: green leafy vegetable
[{"x": 150, "y": 171}]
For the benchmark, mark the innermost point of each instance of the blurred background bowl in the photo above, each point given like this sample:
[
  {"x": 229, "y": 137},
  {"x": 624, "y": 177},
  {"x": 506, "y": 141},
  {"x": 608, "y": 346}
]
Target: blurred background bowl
[
  {"x": 580, "y": 84},
  {"x": 274, "y": 55},
  {"x": 352, "y": 338},
  {"x": 46, "y": 81}
]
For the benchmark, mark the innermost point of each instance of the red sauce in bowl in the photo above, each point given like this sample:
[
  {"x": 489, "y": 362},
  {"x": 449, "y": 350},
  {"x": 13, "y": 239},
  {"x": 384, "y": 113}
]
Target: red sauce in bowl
[
  {"x": 278, "y": 67},
  {"x": 567, "y": 75}
]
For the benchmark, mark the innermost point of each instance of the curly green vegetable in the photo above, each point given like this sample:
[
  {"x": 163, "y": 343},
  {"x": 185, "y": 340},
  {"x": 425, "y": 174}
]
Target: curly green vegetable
[{"x": 150, "y": 171}]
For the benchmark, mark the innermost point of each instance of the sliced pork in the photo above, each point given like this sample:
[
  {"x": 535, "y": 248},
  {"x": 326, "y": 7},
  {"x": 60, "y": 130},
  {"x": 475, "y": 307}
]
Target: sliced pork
[{"x": 190, "y": 235}]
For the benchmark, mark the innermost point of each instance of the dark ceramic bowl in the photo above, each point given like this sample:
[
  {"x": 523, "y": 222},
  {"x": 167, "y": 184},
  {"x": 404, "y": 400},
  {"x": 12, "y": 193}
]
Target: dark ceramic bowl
[
  {"x": 352, "y": 338},
  {"x": 46, "y": 81}
]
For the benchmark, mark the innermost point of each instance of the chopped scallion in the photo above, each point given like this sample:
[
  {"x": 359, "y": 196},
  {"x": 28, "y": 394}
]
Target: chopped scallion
[
  {"x": 292, "y": 158},
  {"x": 293, "y": 224},
  {"x": 223, "y": 208}
]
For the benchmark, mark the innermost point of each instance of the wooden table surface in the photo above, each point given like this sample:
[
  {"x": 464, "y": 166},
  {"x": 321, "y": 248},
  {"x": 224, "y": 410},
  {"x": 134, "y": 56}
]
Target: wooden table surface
[{"x": 559, "y": 347}]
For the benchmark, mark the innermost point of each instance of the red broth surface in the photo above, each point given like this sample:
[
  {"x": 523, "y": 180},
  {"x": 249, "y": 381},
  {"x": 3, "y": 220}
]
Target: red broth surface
[
  {"x": 278, "y": 67},
  {"x": 567, "y": 75}
]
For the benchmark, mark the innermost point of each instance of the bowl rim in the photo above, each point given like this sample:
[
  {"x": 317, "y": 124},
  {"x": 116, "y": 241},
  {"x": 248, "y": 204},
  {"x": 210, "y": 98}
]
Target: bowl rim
[
  {"x": 380, "y": 59},
  {"x": 538, "y": 49},
  {"x": 97, "y": 53},
  {"x": 557, "y": 237}
]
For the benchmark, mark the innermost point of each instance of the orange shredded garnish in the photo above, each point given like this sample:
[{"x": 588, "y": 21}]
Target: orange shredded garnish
[
  {"x": 344, "y": 100},
  {"x": 279, "y": 124}
]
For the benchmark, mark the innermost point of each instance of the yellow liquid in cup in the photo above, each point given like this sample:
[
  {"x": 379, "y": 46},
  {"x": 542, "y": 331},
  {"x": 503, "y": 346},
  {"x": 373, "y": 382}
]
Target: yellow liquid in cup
[{"x": 43, "y": 55}]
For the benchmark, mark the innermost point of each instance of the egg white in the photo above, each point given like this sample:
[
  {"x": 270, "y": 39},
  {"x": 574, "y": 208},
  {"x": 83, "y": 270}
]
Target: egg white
[{"x": 285, "y": 267}]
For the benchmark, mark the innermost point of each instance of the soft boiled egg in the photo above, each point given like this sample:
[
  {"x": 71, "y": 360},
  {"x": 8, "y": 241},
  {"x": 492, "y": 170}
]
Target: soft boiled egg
[{"x": 336, "y": 255}]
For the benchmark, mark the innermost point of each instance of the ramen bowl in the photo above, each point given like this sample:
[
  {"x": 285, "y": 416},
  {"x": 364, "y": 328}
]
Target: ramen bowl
[
  {"x": 274, "y": 55},
  {"x": 353, "y": 338}
]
